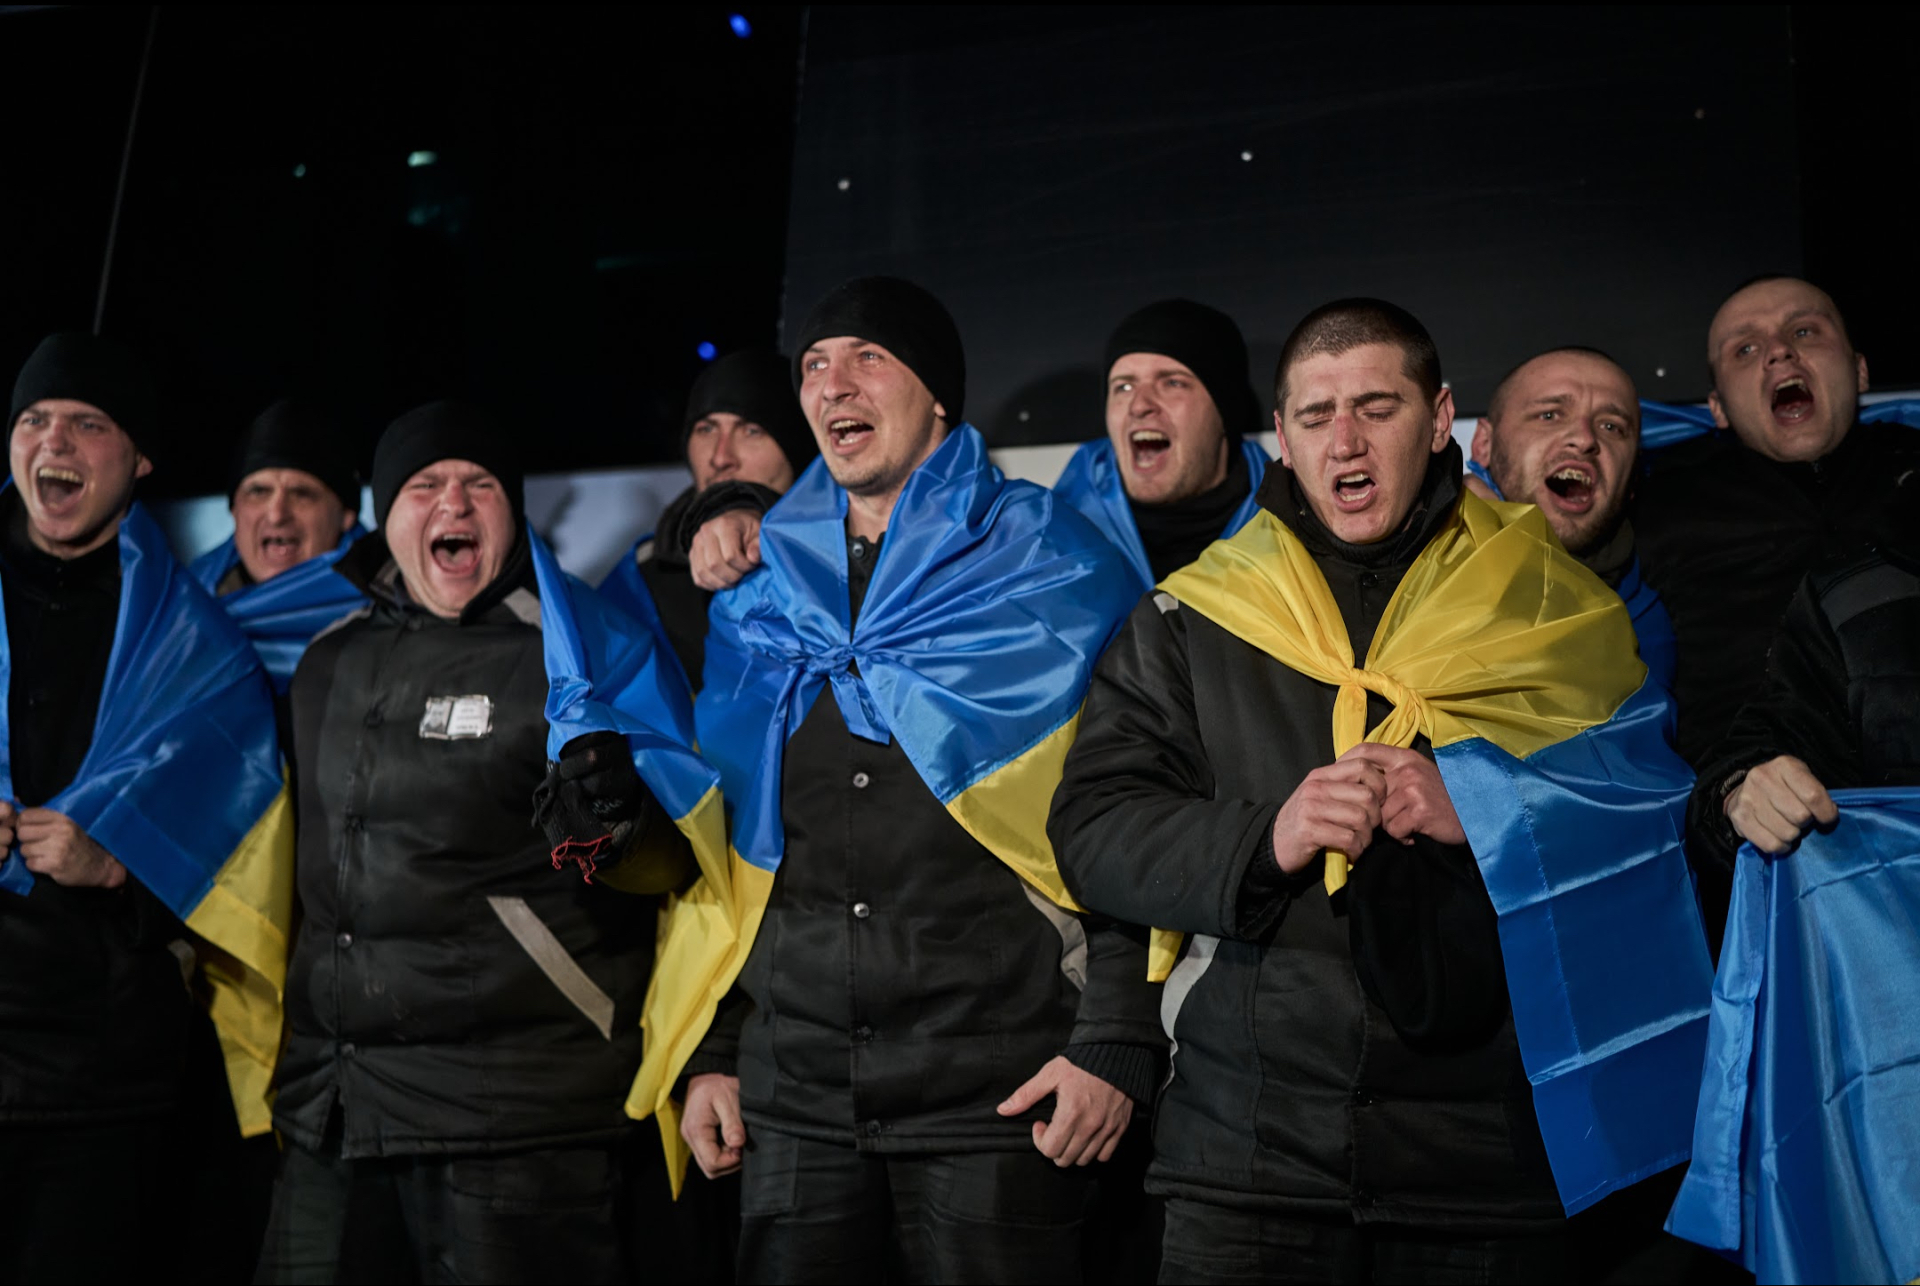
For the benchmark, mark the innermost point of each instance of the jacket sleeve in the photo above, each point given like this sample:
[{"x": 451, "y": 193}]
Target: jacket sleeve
[
  {"x": 1117, "y": 1034},
  {"x": 1135, "y": 825},
  {"x": 1802, "y": 711}
]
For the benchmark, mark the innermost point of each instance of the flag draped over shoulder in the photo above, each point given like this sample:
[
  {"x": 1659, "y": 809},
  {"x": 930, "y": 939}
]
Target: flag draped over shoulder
[
  {"x": 1806, "y": 1150},
  {"x": 627, "y": 590},
  {"x": 975, "y": 643},
  {"x": 182, "y": 784},
  {"x": 1092, "y": 484},
  {"x": 282, "y": 615},
  {"x": 1518, "y": 665}
]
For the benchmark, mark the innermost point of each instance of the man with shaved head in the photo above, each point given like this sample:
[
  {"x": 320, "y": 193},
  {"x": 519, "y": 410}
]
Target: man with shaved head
[
  {"x": 1562, "y": 432},
  {"x": 1730, "y": 523}
]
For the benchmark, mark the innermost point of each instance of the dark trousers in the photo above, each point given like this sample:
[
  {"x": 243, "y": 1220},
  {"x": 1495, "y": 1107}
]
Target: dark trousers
[
  {"x": 1214, "y": 1245},
  {"x": 539, "y": 1216},
  {"x": 821, "y": 1212},
  {"x": 86, "y": 1203}
]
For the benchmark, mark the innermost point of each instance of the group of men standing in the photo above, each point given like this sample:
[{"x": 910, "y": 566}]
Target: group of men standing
[{"x": 911, "y": 841}]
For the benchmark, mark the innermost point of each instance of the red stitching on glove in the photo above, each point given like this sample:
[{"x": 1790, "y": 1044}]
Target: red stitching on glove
[{"x": 583, "y": 853}]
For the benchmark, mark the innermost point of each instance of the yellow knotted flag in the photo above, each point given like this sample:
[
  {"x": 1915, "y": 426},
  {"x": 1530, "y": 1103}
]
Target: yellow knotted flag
[{"x": 1495, "y": 632}]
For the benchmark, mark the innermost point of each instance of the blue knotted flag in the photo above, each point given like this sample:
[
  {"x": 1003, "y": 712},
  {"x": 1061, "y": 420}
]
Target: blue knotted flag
[
  {"x": 1806, "y": 1148},
  {"x": 1092, "y": 484},
  {"x": 281, "y": 616}
]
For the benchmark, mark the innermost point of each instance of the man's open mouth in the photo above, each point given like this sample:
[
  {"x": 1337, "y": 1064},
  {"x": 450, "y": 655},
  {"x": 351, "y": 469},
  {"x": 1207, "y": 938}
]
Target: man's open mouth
[
  {"x": 847, "y": 434},
  {"x": 456, "y": 553},
  {"x": 1572, "y": 486},
  {"x": 1353, "y": 490},
  {"x": 280, "y": 549},
  {"x": 1792, "y": 401},
  {"x": 57, "y": 486},
  {"x": 1149, "y": 447}
]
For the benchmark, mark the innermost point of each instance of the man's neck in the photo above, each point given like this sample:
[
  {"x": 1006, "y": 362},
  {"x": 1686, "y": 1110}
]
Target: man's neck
[
  {"x": 68, "y": 551},
  {"x": 867, "y": 516}
]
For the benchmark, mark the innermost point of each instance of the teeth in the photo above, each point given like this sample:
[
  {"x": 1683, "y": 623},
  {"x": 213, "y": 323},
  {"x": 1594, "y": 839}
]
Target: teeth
[
  {"x": 841, "y": 426},
  {"x": 1148, "y": 436},
  {"x": 1354, "y": 479},
  {"x": 1571, "y": 475},
  {"x": 55, "y": 474},
  {"x": 1795, "y": 382}
]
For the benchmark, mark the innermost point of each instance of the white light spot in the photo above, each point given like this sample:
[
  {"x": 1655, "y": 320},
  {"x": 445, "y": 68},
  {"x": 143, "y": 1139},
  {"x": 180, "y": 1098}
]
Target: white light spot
[
  {"x": 844, "y": 184},
  {"x": 1025, "y": 416},
  {"x": 300, "y": 171},
  {"x": 1699, "y": 113},
  {"x": 1246, "y": 156},
  {"x": 417, "y": 159},
  {"x": 1660, "y": 372}
]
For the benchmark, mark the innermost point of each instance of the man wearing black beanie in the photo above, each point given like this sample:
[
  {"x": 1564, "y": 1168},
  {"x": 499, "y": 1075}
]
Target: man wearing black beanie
[
  {"x": 745, "y": 441},
  {"x": 114, "y": 1106},
  {"x": 462, "y": 1016},
  {"x": 294, "y": 494},
  {"x": 1177, "y": 470},
  {"x": 927, "y": 1045}
]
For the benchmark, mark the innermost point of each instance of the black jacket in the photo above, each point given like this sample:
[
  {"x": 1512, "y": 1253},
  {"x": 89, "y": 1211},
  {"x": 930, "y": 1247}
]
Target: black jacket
[
  {"x": 904, "y": 980},
  {"x": 664, "y": 565},
  {"x": 449, "y": 990},
  {"x": 1339, "y": 1057},
  {"x": 1842, "y": 688},
  {"x": 1726, "y": 535},
  {"x": 94, "y": 1014}
]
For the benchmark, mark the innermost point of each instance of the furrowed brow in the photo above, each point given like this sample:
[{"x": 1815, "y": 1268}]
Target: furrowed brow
[{"x": 1376, "y": 397}]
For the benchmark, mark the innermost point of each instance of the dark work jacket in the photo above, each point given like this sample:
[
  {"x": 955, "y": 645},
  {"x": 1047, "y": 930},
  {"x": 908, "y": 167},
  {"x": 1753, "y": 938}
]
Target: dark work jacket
[
  {"x": 1725, "y": 536},
  {"x": 1344, "y": 1057},
  {"x": 449, "y": 989},
  {"x": 1842, "y": 691},
  {"x": 94, "y": 1013},
  {"x": 904, "y": 980},
  {"x": 681, "y": 603}
]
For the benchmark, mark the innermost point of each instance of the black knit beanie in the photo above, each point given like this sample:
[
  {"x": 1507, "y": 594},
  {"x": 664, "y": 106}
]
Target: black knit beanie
[
  {"x": 99, "y": 372},
  {"x": 444, "y": 431},
  {"x": 293, "y": 435},
  {"x": 755, "y": 384},
  {"x": 902, "y": 318},
  {"x": 1206, "y": 342}
]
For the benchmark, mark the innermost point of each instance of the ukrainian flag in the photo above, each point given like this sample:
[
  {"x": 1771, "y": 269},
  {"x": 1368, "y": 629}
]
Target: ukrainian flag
[
  {"x": 1092, "y": 484},
  {"x": 1806, "y": 1151},
  {"x": 975, "y": 644},
  {"x": 1518, "y": 665},
  {"x": 282, "y": 615},
  {"x": 183, "y": 785}
]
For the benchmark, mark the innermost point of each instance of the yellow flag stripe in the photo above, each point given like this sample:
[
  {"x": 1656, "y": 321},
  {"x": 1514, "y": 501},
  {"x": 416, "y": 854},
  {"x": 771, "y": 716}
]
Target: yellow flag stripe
[{"x": 1007, "y": 812}]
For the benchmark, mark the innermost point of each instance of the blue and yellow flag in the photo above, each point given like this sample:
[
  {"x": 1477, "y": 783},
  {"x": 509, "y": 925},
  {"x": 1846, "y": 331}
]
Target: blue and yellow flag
[
  {"x": 976, "y": 640},
  {"x": 627, "y": 590},
  {"x": 1092, "y": 484},
  {"x": 183, "y": 785},
  {"x": 1806, "y": 1151},
  {"x": 1517, "y": 664},
  {"x": 282, "y": 615}
]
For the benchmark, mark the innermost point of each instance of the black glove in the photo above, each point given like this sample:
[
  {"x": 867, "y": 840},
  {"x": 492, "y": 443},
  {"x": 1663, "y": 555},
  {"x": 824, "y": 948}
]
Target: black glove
[{"x": 592, "y": 792}]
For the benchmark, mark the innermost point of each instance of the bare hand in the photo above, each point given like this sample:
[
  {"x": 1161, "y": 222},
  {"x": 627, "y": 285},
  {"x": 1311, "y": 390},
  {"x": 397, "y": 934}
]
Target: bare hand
[
  {"x": 711, "y": 1124},
  {"x": 725, "y": 549},
  {"x": 1775, "y": 803},
  {"x": 9, "y": 818},
  {"x": 55, "y": 846},
  {"x": 1417, "y": 799},
  {"x": 1334, "y": 807},
  {"x": 1089, "y": 1116}
]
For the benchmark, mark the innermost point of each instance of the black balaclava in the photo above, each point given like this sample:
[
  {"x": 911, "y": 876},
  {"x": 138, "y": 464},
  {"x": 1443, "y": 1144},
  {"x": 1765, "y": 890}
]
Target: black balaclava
[
  {"x": 755, "y": 384},
  {"x": 903, "y": 319},
  {"x": 99, "y": 372},
  {"x": 1206, "y": 342},
  {"x": 292, "y": 435},
  {"x": 444, "y": 431}
]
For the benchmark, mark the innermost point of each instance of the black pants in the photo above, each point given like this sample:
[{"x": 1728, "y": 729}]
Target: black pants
[
  {"x": 1214, "y": 1245},
  {"x": 87, "y": 1203},
  {"x": 820, "y": 1212},
  {"x": 541, "y": 1216}
]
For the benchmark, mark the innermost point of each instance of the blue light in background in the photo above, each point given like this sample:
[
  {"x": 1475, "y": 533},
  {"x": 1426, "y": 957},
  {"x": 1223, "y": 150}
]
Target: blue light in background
[
  {"x": 741, "y": 27},
  {"x": 707, "y": 351},
  {"x": 416, "y": 160}
]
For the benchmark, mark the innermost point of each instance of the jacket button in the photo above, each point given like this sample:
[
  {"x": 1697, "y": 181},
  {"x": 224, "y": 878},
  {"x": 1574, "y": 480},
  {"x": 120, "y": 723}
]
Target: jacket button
[
  {"x": 861, "y": 781},
  {"x": 353, "y": 823},
  {"x": 348, "y": 1050},
  {"x": 373, "y": 717},
  {"x": 1361, "y": 1197},
  {"x": 1361, "y": 1098},
  {"x": 873, "y": 1129},
  {"x": 861, "y": 910},
  {"x": 343, "y": 940},
  {"x": 863, "y": 1033}
]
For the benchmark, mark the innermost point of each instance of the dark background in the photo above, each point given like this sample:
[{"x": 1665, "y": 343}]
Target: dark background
[{"x": 611, "y": 188}]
